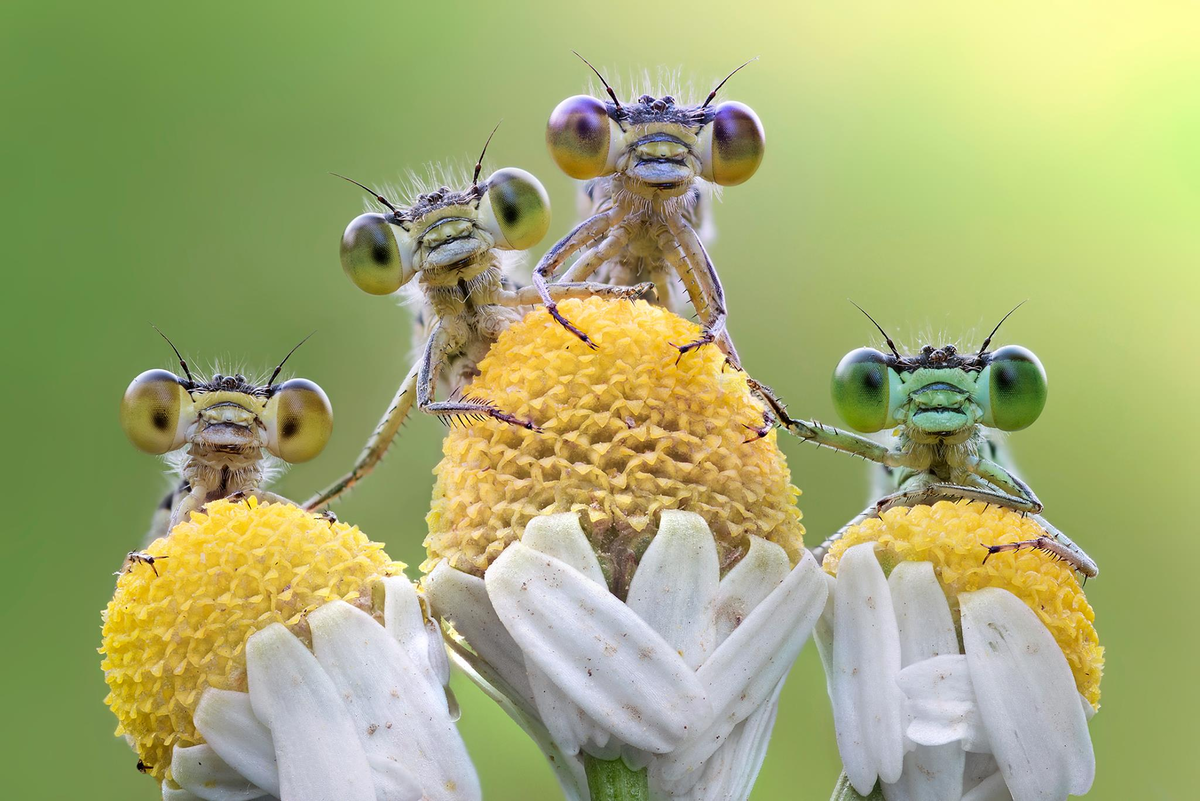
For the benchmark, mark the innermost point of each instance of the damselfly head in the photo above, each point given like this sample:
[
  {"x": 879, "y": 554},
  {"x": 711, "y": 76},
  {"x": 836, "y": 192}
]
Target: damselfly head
[
  {"x": 226, "y": 414},
  {"x": 656, "y": 142},
  {"x": 445, "y": 229},
  {"x": 939, "y": 394}
]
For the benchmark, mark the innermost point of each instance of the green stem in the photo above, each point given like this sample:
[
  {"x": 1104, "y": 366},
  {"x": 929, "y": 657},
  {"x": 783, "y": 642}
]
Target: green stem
[
  {"x": 843, "y": 791},
  {"x": 612, "y": 780}
]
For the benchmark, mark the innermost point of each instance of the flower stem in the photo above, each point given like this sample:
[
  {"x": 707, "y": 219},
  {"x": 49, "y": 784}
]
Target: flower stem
[
  {"x": 613, "y": 780},
  {"x": 843, "y": 791}
]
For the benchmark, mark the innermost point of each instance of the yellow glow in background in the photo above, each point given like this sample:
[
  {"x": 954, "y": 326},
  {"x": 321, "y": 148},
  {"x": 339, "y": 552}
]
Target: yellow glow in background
[{"x": 937, "y": 163}]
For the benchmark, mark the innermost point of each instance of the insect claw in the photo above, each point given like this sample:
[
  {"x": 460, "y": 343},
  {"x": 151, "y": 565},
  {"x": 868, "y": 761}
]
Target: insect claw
[{"x": 565, "y": 323}]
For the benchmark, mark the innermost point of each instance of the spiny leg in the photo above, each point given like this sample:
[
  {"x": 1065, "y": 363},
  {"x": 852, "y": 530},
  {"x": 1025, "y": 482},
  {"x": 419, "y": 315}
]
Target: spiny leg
[
  {"x": 431, "y": 363},
  {"x": 927, "y": 493},
  {"x": 693, "y": 261},
  {"x": 822, "y": 549},
  {"x": 838, "y": 440},
  {"x": 377, "y": 444},
  {"x": 993, "y": 473},
  {"x": 672, "y": 250},
  {"x": 582, "y": 236},
  {"x": 583, "y": 267},
  {"x": 914, "y": 496},
  {"x": 1056, "y": 544},
  {"x": 563, "y": 291}
]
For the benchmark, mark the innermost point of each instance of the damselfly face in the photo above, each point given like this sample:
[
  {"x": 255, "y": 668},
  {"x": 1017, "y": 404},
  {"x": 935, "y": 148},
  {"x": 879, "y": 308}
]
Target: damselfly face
[
  {"x": 657, "y": 145},
  {"x": 445, "y": 235},
  {"x": 939, "y": 394},
  {"x": 226, "y": 415}
]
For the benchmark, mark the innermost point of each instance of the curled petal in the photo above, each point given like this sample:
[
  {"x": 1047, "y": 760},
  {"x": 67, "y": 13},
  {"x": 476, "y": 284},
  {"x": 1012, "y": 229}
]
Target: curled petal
[
  {"x": 227, "y": 722},
  {"x": 941, "y": 703},
  {"x": 199, "y": 770}
]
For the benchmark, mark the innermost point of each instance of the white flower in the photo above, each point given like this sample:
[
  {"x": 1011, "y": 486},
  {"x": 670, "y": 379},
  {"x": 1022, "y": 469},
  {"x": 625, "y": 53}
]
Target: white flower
[
  {"x": 683, "y": 678},
  {"x": 998, "y": 718},
  {"x": 362, "y": 716}
]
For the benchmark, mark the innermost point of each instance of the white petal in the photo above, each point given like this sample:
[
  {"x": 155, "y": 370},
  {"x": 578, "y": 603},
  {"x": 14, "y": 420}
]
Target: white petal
[
  {"x": 568, "y": 725},
  {"x": 320, "y": 757},
  {"x": 198, "y": 769},
  {"x": 747, "y": 583},
  {"x": 393, "y": 781},
  {"x": 396, "y": 713},
  {"x": 867, "y": 704},
  {"x": 931, "y": 773},
  {"x": 227, "y": 722},
  {"x": 823, "y": 632},
  {"x": 1027, "y": 698},
  {"x": 462, "y": 599},
  {"x": 562, "y": 537},
  {"x": 404, "y": 620},
  {"x": 922, "y": 614},
  {"x": 568, "y": 770},
  {"x": 602, "y": 655},
  {"x": 675, "y": 586},
  {"x": 941, "y": 703},
  {"x": 179, "y": 794},
  {"x": 439, "y": 662},
  {"x": 992, "y": 788},
  {"x": 730, "y": 772},
  {"x": 978, "y": 767},
  {"x": 745, "y": 669}
]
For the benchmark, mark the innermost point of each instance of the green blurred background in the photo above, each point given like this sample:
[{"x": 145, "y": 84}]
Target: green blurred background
[{"x": 937, "y": 163}]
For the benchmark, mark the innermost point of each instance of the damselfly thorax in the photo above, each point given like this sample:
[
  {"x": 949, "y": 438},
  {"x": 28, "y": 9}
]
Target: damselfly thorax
[
  {"x": 944, "y": 409},
  {"x": 449, "y": 246}
]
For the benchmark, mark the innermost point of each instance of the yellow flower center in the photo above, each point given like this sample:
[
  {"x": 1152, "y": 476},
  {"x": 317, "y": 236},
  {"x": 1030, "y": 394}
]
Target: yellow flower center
[
  {"x": 952, "y": 536},
  {"x": 629, "y": 430},
  {"x": 227, "y": 573}
]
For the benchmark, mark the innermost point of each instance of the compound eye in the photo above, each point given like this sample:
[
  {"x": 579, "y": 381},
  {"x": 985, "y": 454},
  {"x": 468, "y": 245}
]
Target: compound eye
[
  {"x": 1017, "y": 388},
  {"x": 578, "y": 136},
  {"x": 299, "y": 420},
  {"x": 371, "y": 257},
  {"x": 732, "y": 145},
  {"x": 516, "y": 209},
  {"x": 861, "y": 389},
  {"x": 151, "y": 412}
]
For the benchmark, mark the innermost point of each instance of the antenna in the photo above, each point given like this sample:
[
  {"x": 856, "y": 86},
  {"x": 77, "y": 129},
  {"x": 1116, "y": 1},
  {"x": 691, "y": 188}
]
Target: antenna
[
  {"x": 890, "y": 344},
  {"x": 369, "y": 191},
  {"x": 611, "y": 93},
  {"x": 182, "y": 363},
  {"x": 983, "y": 348},
  {"x": 479, "y": 164},
  {"x": 713, "y": 93},
  {"x": 275, "y": 374}
]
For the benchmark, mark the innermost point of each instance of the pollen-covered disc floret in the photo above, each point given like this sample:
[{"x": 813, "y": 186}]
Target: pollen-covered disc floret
[
  {"x": 952, "y": 537},
  {"x": 628, "y": 430},
  {"x": 228, "y": 572}
]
